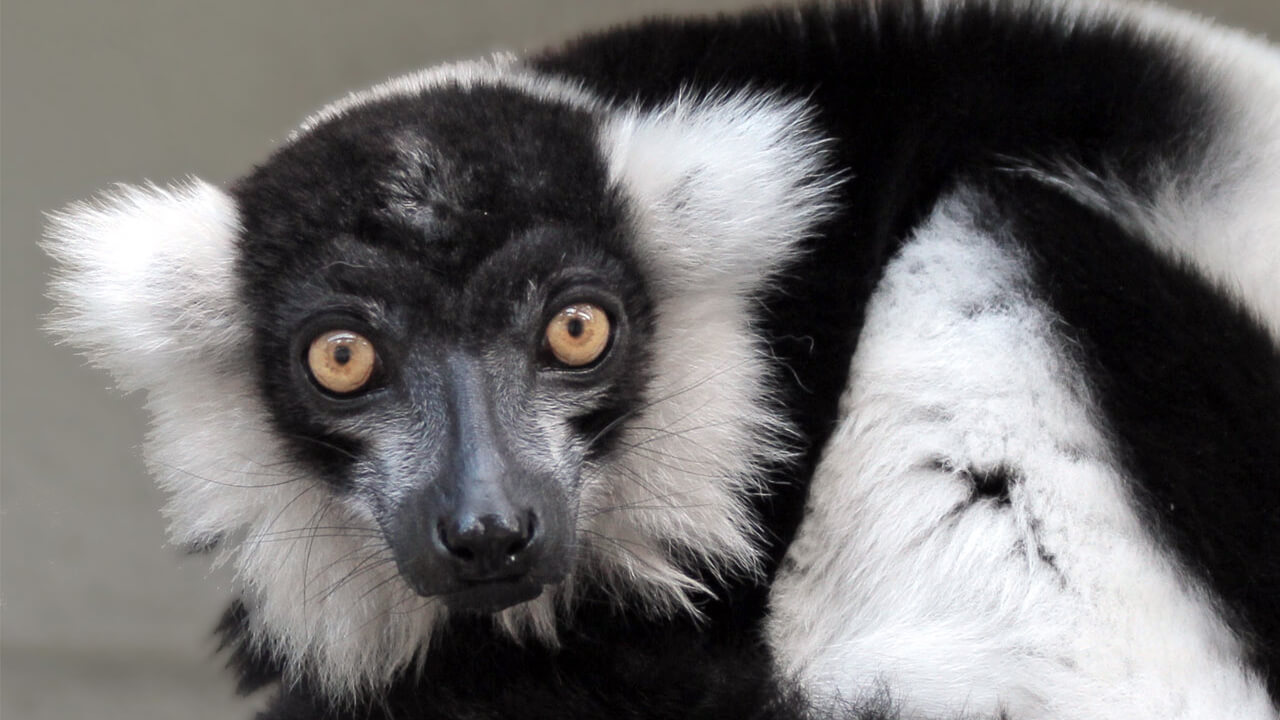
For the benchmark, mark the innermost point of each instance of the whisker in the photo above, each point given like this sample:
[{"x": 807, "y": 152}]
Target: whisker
[
  {"x": 223, "y": 483},
  {"x": 354, "y": 530},
  {"x": 311, "y": 541},
  {"x": 660, "y": 433},
  {"x": 661, "y": 399},
  {"x": 634, "y": 476},
  {"x": 611, "y": 509},
  {"x": 299, "y": 538},
  {"x": 374, "y": 560},
  {"x": 274, "y": 431},
  {"x": 673, "y": 462},
  {"x": 381, "y": 583},
  {"x": 625, "y": 547},
  {"x": 629, "y": 474},
  {"x": 280, "y": 513}
]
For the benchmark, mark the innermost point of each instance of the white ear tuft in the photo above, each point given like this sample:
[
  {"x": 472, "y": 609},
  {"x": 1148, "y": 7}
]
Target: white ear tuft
[
  {"x": 724, "y": 187},
  {"x": 145, "y": 279}
]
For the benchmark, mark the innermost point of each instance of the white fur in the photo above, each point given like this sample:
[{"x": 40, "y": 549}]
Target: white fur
[
  {"x": 144, "y": 279},
  {"x": 1059, "y": 605},
  {"x": 147, "y": 285},
  {"x": 724, "y": 187},
  {"x": 499, "y": 70}
]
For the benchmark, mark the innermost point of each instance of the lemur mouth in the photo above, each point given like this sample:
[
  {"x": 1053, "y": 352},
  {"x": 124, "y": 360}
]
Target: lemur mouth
[{"x": 491, "y": 596}]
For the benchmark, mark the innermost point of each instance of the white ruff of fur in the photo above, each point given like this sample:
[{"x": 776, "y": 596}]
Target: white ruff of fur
[
  {"x": 1058, "y": 604},
  {"x": 147, "y": 286}
]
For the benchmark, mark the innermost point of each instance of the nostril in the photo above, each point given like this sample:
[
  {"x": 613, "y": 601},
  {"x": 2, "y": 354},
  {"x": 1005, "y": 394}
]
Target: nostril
[
  {"x": 525, "y": 533},
  {"x": 453, "y": 540}
]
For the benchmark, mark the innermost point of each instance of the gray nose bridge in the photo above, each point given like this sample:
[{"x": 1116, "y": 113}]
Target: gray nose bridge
[{"x": 478, "y": 466}]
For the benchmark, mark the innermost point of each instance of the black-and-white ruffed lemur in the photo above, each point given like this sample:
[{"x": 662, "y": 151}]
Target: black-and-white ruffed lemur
[{"x": 900, "y": 358}]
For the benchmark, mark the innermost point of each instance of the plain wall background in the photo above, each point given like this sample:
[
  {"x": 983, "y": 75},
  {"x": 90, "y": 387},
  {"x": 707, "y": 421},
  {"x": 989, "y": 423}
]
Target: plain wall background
[{"x": 100, "y": 618}]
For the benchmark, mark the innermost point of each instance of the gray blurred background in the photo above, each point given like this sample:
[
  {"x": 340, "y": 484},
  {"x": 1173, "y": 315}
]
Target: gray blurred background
[{"x": 99, "y": 618}]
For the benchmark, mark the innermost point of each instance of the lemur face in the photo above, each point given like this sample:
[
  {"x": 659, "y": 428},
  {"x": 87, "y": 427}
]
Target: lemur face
[
  {"x": 448, "y": 323},
  {"x": 470, "y": 342}
]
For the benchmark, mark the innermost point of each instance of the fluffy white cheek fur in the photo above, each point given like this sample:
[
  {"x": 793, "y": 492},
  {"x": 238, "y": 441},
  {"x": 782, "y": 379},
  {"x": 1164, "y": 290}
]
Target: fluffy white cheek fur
[{"x": 1057, "y": 604}]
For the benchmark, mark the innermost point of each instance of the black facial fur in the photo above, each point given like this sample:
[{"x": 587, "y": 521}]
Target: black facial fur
[{"x": 447, "y": 229}]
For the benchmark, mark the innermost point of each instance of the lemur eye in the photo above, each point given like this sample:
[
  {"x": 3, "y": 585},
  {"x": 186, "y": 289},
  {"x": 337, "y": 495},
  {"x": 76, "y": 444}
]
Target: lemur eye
[
  {"x": 342, "y": 361},
  {"x": 578, "y": 334}
]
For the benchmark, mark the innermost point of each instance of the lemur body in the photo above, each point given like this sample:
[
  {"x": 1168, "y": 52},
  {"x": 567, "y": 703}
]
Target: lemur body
[{"x": 884, "y": 360}]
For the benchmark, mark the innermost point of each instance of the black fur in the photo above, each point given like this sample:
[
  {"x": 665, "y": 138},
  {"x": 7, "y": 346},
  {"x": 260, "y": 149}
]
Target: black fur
[
  {"x": 337, "y": 220},
  {"x": 609, "y": 666},
  {"x": 993, "y": 484},
  {"x": 255, "y": 668}
]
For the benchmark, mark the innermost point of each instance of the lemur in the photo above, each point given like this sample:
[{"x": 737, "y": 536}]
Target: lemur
[{"x": 898, "y": 358}]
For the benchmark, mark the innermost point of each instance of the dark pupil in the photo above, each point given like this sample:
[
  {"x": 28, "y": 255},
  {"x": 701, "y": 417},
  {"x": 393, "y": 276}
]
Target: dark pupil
[
  {"x": 574, "y": 327},
  {"x": 342, "y": 354}
]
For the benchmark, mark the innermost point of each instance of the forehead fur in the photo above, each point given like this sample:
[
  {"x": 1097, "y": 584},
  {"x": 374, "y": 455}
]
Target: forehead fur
[
  {"x": 450, "y": 172},
  {"x": 499, "y": 70}
]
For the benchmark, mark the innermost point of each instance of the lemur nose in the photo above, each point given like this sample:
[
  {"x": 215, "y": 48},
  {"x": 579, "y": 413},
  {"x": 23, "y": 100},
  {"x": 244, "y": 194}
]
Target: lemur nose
[{"x": 490, "y": 547}]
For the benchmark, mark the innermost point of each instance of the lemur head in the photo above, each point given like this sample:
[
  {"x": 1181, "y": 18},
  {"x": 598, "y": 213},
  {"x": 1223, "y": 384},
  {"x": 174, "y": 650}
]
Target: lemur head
[{"x": 469, "y": 340}]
